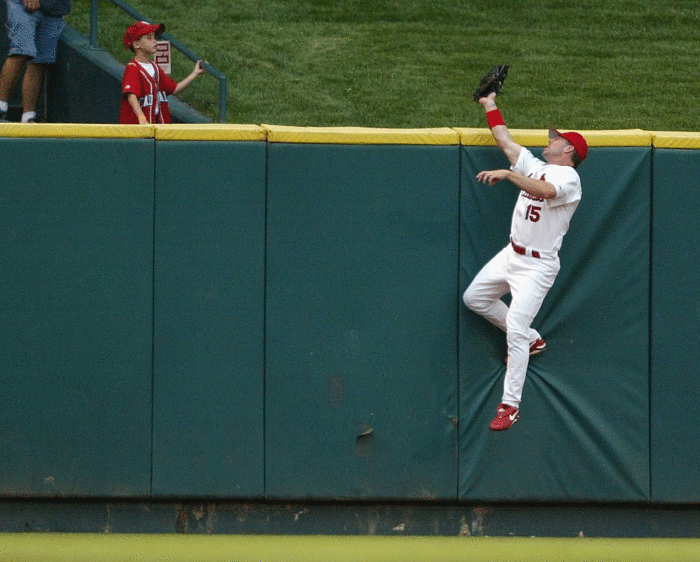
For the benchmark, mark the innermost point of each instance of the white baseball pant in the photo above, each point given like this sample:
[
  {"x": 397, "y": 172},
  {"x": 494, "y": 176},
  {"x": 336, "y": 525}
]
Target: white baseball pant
[{"x": 528, "y": 279}]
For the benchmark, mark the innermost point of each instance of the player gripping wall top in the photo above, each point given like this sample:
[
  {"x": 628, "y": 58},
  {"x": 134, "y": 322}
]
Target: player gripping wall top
[{"x": 550, "y": 191}]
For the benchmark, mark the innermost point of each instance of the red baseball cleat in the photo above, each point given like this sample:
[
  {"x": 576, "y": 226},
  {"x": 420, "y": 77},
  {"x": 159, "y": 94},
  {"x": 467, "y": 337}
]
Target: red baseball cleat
[
  {"x": 505, "y": 417},
  {"x": 537, "y": 347}
]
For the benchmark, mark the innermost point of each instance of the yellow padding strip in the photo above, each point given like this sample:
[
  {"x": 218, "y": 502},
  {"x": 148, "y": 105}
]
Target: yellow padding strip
[
  {"x": 676, "y": 140},
  {"x": 69, "y": 130},
  {"x": 339, "y": 135},
  {"x": 211, "y": 132},
  {"x": 540, "y": 137},
  {"x": 52, "y": 547},
  {"x": 361, "y": 135}
]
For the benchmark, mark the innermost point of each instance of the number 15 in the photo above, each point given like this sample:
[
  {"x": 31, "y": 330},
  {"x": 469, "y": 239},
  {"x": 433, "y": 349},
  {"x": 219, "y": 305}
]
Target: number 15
[{"x": 532, "y": 213}]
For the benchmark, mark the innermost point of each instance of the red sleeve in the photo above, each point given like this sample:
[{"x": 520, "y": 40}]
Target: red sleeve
[
  {"x": 166, "y": 84},
  {"x": 131, "y": 83}
]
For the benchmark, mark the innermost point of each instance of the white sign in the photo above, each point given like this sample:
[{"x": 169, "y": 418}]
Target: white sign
[{"x": 163, "y": 56}]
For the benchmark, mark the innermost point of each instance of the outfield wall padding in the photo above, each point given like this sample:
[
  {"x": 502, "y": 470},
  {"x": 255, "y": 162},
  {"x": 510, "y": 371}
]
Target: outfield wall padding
[
  {"x": 274, "y": 312},
  {"x": 584, "y": 428},
  {"x": 361, "y": 380},
  {"x": 675, "y": 350},
  {"x": 209, "y": 304},
  {"x": 76, "y": 308}
]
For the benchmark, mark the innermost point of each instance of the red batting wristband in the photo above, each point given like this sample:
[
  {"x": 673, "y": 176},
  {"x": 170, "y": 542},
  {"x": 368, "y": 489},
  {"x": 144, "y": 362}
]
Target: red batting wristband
[{"x": 494, "y": 118}]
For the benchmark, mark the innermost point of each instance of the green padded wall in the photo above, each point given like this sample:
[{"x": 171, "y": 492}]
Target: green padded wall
[
  {"x": 76, "y": 307},
  {"x": 310, "y": 339},
  {"x": 361, "y": 382},
  {"x": 584, "y": 427},
  {"x": 675, "y": 350},
  {"x": 209, "y": 308}
]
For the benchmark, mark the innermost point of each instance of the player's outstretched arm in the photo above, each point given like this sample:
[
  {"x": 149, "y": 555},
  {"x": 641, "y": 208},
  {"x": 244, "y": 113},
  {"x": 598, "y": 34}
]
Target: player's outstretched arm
[
  {"x": 198, "y": 70},
  {"x": 537, "y": 188},
  {"x": 499, "y": 130}
]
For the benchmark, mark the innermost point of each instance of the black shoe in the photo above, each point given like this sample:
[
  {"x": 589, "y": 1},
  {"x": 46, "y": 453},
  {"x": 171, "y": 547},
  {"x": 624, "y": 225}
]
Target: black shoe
[{"x": 3, "y": 116}]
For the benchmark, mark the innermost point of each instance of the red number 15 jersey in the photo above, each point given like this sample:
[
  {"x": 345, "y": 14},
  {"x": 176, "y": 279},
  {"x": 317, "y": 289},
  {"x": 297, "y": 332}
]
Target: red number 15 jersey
[{"x": 542, "y": 223}]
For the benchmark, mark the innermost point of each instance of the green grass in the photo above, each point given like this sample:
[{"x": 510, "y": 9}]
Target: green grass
[{"x": 599, "y": 64}]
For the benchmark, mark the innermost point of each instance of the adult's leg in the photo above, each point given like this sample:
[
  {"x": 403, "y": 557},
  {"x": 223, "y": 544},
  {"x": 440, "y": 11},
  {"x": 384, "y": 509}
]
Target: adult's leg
[
  {"x": 484, "y": 293},
  {"x": 9, "y": 75},
  {"x": 21, "y": 33},
  {"x": 530, "y": 284},
  {"x": 48, "y": 31},
  {"x": 31, "y": 86}
]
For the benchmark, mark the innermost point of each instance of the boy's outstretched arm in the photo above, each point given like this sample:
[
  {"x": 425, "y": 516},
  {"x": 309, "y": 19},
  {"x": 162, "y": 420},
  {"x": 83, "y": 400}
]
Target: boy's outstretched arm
[{"x": 187, "y": 81}]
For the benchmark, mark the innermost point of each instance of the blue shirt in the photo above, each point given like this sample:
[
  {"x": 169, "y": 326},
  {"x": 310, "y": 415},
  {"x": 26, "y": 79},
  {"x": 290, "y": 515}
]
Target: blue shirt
[{"x": 56, "y": 8}]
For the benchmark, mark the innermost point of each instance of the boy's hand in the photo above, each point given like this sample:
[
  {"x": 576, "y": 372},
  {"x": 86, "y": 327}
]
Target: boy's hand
[
  {"x": 32, "y": 6},
  {"x": 198, "y": 70},
  {"x": 199, "y": 67}
]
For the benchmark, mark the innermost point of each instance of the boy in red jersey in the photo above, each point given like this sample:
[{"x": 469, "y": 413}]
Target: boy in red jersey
[{"x": 145, "y": 87}]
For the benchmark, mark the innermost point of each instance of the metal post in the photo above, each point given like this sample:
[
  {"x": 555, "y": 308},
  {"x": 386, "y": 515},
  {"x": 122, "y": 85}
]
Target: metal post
[
  {"x": 93, "y": 24},
  {"x": 222, "y": 99}
]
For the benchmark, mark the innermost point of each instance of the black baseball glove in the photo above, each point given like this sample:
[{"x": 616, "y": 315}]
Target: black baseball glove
[{"x": 492, "y": 82}]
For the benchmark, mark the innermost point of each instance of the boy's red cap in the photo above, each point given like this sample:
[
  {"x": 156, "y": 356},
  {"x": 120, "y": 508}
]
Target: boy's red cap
[
  {"x": 139, "y": 29},
  {"x": 576, "y": 139}
]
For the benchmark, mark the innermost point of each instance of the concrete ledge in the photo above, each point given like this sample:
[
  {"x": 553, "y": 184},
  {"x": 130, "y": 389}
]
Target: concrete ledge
[{"x": 260, "y": 517}]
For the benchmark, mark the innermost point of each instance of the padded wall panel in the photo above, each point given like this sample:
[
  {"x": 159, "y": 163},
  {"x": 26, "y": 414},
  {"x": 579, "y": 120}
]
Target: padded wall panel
[
  {"x": 209, "y": 310},
  {"x": 675, "y": 350},
  {"x": 76, "y": 308},
  {"x": 584, "y": 427},
  {"x": 361, "y": 321}
]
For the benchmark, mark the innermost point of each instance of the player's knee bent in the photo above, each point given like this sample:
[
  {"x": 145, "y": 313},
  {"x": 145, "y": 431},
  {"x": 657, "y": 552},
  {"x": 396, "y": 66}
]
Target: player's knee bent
[{"x": 474, "y": 303}]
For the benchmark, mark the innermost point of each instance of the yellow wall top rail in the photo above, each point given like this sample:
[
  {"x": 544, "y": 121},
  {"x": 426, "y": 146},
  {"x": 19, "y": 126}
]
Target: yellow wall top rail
[{"x": 341, "y": 135}]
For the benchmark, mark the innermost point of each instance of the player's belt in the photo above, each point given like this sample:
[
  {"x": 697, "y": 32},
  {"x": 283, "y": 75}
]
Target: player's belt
[{"x": 523, "y": 251}]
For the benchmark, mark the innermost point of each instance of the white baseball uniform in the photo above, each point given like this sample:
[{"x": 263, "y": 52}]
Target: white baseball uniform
[{"x": 527, "y": 267}]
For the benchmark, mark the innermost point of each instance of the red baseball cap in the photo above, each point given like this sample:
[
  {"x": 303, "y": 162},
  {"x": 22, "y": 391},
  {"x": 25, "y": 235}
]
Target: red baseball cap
[
  {"x": 139, "y": 29},
  {"x": 576, "y": 140}
]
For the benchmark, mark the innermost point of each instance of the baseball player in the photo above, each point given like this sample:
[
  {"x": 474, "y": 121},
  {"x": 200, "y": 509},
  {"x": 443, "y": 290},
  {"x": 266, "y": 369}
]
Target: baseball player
[
  {"x": 549, "y": 194},
  {"x": 145, "y": 87}
]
